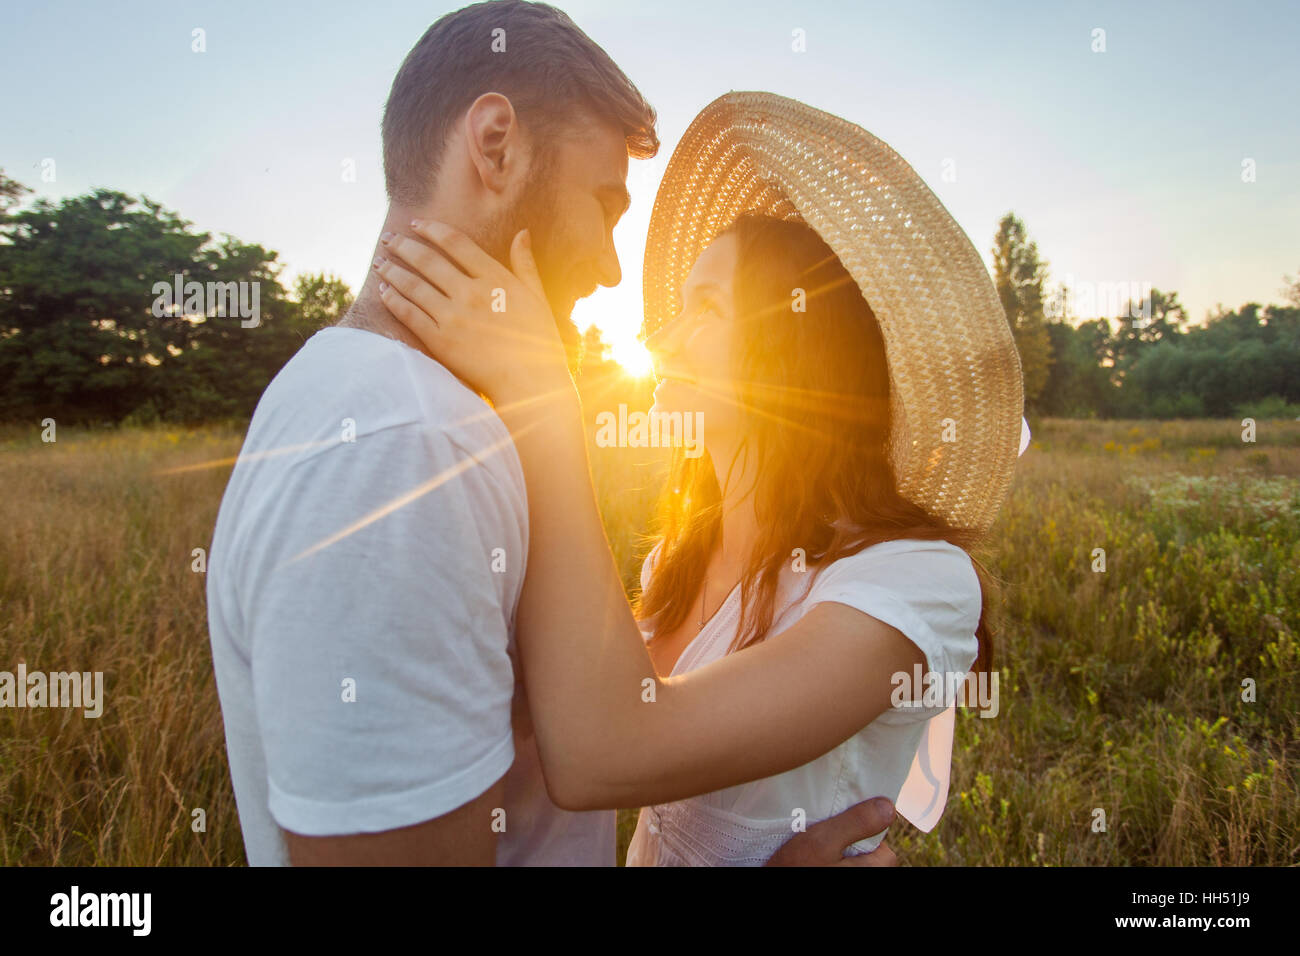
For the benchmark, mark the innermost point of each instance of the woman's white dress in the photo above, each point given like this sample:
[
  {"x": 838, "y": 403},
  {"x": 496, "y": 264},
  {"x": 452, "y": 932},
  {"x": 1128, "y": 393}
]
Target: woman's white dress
[{"x": 926, "y": 589}]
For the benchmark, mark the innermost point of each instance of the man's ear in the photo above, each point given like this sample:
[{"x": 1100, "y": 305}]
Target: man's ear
[{"x": 495, "y": 141}]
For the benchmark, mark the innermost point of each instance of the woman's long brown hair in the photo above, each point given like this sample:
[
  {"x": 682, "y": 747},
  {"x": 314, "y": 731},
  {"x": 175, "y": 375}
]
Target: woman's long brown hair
[{"x": 815, "y": 406}]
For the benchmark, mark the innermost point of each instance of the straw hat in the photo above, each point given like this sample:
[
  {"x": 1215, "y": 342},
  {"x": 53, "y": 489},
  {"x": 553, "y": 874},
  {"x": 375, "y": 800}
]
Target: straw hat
[{"x": 949, "y": 346}]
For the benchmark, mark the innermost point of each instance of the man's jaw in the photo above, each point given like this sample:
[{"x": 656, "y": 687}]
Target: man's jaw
[{"x": 562, "y": 294}]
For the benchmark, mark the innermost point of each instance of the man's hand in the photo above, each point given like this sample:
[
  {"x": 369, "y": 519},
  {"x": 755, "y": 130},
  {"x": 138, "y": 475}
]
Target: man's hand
[{"x": 823, "y": 844}]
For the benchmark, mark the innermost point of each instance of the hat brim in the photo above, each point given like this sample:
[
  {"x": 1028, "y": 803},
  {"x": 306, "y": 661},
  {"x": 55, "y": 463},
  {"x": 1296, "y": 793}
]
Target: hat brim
[{"x": 955, "y": 373}]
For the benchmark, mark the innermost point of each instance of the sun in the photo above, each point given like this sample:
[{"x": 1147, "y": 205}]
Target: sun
[{"x": 633, "y": 356}]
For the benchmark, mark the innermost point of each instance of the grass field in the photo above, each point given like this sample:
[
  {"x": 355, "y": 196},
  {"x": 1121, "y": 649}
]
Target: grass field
[{"x": 1121, "y": 690}]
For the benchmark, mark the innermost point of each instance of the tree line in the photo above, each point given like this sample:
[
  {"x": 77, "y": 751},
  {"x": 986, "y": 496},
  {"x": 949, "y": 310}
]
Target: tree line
[
  {"x": 115, "y": 309},
  {"x": 1148, "y": 363},
  {"x": 87, "y": 335}
]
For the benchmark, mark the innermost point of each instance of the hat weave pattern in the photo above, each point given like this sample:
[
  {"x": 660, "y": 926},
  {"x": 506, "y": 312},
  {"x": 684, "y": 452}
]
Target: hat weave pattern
[{"x": 953, "y": 366}]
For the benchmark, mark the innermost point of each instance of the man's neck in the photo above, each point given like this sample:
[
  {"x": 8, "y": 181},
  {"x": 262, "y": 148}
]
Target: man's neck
[{"x": 368, "y": 311}]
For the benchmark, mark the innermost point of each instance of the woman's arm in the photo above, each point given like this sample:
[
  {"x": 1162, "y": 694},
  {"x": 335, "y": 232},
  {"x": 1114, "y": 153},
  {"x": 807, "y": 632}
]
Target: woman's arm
[{"x": 610, "y": 732}]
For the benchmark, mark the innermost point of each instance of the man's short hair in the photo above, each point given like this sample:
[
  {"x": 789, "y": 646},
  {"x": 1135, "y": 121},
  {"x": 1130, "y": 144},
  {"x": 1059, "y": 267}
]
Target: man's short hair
[{"x": 550, "y": 70}]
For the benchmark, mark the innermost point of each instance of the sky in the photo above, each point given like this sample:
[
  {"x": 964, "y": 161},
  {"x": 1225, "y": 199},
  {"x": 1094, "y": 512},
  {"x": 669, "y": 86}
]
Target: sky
[{"x": 1171, "y": 158}]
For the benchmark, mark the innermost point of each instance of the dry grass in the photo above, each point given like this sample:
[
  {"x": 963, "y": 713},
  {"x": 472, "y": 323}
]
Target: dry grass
[{"x": 1120, "y": 690}]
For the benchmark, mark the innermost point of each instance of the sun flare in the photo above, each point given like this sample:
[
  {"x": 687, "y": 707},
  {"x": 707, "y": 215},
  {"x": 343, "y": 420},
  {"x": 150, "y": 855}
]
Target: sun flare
[{"x": 634, "y": 357}]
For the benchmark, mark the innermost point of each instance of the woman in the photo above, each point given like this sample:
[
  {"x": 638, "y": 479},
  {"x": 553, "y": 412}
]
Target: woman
[{"x": 860, "y": 399}]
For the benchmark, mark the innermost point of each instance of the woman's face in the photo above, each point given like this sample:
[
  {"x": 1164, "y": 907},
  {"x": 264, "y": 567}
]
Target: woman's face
[{"x": 694, "y": 354}]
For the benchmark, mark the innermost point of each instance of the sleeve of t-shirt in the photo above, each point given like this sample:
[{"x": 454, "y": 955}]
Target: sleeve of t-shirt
[
  {"x": 647, "y": 567},
  {"x": 927, "y": 590},
  {"x": 379, "y": 634}
]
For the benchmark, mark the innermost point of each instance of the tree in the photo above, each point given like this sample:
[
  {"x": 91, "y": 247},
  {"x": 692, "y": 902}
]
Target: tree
[
  {"x": 322, "y": 299},
  {"x": 1019, "y": 277},
  {"x": 1078, "y": 385},
  {"x": 1238, "y": 358},
  {"x": 1291, "y": 290},
  {"x": 11, "y": 193},
  {"x": 84, "y": 334},
  {"x": 79, "y": 335},
  {"x": 1167, "y": 318}
]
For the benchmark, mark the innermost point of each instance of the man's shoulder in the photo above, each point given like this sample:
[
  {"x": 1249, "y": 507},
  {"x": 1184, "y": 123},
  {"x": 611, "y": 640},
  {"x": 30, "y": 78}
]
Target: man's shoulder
[
  {"x": 346, "y": 384},
  {"x": 381, "y": 379}
]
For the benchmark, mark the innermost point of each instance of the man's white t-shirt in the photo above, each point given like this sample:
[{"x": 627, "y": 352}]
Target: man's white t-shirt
[{"x": 362, "y": 585}]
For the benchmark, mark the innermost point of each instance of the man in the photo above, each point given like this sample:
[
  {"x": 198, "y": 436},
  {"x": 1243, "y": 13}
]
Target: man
[{"x": 370, "y": 548}]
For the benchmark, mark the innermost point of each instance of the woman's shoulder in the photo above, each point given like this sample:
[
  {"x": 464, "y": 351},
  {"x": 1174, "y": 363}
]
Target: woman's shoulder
[
  {"x": 912, "y": 580},
  {"x": 903, "y": 554}
]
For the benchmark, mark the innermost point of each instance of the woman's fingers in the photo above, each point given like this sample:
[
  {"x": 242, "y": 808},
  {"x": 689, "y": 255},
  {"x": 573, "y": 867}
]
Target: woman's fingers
[
  {"x": 410, "y": 315},
  {"x": 463, "y": 250},
  {"x": 415, "y": 288},
  {"x": 523, "y": 265},
  {"x": 488, "y": 324},
  {"x": 429, "y": 262}
]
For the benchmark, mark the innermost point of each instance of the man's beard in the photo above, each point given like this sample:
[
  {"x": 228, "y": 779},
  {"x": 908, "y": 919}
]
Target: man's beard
[{"x": 535, "y": 211}]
